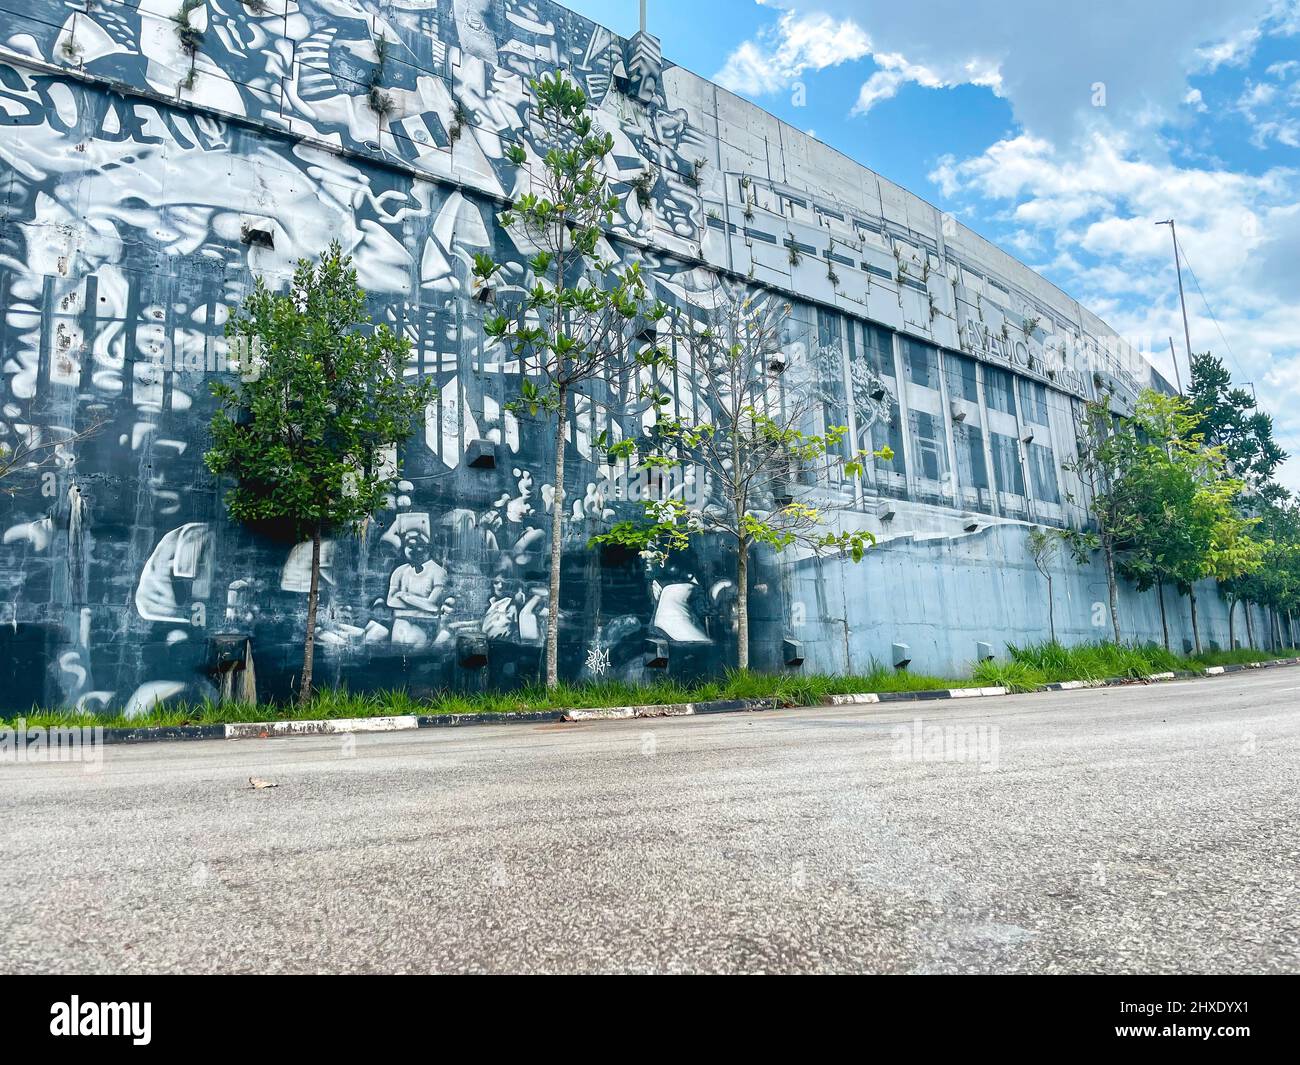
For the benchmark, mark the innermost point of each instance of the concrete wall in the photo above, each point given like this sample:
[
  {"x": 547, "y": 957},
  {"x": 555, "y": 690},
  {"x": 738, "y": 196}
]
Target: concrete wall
[{"x": 134, "y": 178}]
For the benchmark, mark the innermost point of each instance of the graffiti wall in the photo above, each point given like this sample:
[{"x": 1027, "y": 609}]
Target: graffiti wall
[{"x": 157, "y": 156}]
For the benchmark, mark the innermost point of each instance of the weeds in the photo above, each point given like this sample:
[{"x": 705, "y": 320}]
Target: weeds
[{"x": 1027, "y": 669}]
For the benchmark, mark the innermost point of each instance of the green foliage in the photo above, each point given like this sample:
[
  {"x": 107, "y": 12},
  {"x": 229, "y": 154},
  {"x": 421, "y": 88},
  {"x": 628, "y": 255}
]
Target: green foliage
[
  {"x": 578, "y": 313},
  {"x": 306, "y": 432},
  {"x": 191, "y": 37},
  {"x": 1014, "y": 676},
  {"x": 642, "y": 185},
  {"x": 582, "y": 313},
  {"x": 332, "y": 704},
  {"x": 1052, "y": 663},
  {"x": 1044, "y": 547},
  {"x": 1174, "y": 500},
  {"x": 1230, "y": 418}
]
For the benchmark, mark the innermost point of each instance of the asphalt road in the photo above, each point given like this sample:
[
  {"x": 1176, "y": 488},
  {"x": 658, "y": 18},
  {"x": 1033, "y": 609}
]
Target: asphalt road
[{"x": 1135, "y": 829}]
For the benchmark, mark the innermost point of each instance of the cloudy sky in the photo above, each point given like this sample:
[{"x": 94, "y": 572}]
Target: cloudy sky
[{"x": 1062, "y": 132}]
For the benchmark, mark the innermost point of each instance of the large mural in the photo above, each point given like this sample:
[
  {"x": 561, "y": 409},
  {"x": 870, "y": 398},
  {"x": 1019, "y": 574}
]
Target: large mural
[{"x": 156, "y": 156}]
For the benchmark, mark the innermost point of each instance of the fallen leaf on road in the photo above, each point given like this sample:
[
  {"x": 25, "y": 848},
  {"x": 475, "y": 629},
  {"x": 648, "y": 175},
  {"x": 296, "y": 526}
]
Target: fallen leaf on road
[{"x": 259, "y": 784}]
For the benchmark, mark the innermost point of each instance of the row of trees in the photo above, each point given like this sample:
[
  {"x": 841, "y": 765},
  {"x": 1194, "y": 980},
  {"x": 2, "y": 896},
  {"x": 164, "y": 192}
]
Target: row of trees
[
  {"x": 309, "y": 433},
  {"x": 1183, "y": 492}
]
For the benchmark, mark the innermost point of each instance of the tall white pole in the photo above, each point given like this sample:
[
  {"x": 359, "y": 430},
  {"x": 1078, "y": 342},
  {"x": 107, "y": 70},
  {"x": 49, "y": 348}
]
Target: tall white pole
[
  {"x": 643, "y": 16},
  {"x": 1178, "y": 265}
]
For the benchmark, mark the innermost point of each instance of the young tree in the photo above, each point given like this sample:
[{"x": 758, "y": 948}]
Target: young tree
[
  {"x": 1230, "y": 550},
  {"x": 1231, "y": 419},
  {"x": 581, "y": 316},
  {"x": 1044, "y": 549},
  {"x": 1104, "y": 448},
  {"x": 1174, "y": 502},
  {"x": 310, "y": 431},
  {"x": 753, "y": 445}
]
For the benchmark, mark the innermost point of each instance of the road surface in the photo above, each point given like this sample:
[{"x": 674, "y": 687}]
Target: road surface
[{"x": 1120, "y": 830}]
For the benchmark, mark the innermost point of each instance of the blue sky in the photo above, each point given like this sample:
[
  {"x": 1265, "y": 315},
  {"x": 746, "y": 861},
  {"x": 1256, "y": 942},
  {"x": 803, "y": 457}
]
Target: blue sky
[{"x": 1062, "y": 132}]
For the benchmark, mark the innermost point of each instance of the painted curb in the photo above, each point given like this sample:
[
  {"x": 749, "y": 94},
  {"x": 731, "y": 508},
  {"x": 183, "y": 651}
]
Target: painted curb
[
  {"x": 520, "y": 717},
  {"x": 329, "y": 727},
  {"x": 411, "y": 722},
  {"x": 156, "y": 735}
]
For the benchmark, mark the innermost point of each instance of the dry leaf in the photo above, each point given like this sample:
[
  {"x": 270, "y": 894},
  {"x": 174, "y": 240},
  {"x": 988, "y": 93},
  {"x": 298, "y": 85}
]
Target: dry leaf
[{"x": 259, "y": 784}]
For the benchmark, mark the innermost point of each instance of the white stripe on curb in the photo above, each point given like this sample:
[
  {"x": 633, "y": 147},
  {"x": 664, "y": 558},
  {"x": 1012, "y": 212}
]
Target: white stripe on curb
[
  {"x": 975, "y": 693},
  {"x": 854, "y": 700},
  {"x": 623, "y": 713},
  {"x": 1215, "y": 671},
  {"x": 335, "y": 726},
  {"x": 1163, "y": 676}
]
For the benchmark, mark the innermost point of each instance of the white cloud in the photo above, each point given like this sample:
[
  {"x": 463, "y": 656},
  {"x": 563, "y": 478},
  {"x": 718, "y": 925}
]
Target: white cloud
[
  {"x": 1233, "y": 51},
  {"x": 1096, "y": 204},
  {"x": 1077, "y": 189},
  {"x": 895, "y": 72},
  {"x": 1046, "y": 59},
  {"x": 783, "y": 54}
]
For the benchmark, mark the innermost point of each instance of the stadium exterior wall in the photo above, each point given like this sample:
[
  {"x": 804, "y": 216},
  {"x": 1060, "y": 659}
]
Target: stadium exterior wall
[{"x": 145, "y": 188}]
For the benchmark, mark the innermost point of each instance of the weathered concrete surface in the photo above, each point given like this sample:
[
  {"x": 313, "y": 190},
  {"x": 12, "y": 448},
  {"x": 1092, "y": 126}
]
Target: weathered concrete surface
[
  {"x": 136, "y": 176},
  {"x": 1128, "y": 829}
]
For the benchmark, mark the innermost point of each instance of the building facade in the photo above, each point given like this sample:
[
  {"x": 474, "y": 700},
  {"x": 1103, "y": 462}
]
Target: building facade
[{"x": 157, "y": 157}]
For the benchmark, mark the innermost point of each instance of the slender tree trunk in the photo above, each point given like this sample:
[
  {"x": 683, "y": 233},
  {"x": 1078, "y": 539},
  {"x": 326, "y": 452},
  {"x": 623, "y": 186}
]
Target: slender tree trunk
[
  {"x": 1164, "y": 618},
  {"x": 1112, "y": 587},
  {"x": 1290, "y": 630},
  {"x": 742, "y": 605},
  {"x": 1051, "y": 610},
  {"x": 1196, "y": 624},
  {"x": 313, "y": 598},
  {"x": 1232, "y": 624},
  {"x": 1250, "y": 625},
  {"x": 557, "y": 545}
]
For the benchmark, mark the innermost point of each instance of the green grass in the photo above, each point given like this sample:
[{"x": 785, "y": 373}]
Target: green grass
[
  {"x": 791, "y": 689},
  {"x": 1051, "y": 663},
  {"x": 1026, "y": 669},
  {"x": 1014, "y": 676}
]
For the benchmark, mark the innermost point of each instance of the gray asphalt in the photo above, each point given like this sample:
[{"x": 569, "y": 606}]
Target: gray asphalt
[{"x": 1147, "y": 829}]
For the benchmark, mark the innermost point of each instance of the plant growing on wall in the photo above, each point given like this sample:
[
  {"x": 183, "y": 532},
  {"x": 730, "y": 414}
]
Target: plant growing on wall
[
  {"x": 751, "y": 444},
  {"x": 460, "y": 118},
  {"x": 310, "y": 431},
  {"x": 581, "y": 317},
  {"x": 642, "y": 185},
  {"x": 190, "y": 36},
  {"x": 381, "y": 103},
  {"x": 1045, "y": 549}
]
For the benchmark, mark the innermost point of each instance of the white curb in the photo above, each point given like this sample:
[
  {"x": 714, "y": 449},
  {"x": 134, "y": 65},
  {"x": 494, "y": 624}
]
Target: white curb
[
  {"x": 854, "y": 700},
  {"x": 331, "y": 727},
  {"x": 624, "y": 713}
]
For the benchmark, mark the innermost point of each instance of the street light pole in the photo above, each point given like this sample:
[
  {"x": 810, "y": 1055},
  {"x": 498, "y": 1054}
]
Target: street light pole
[
  {"x": 1182, "y": 298},
  {"x": 643, "y": 16}
]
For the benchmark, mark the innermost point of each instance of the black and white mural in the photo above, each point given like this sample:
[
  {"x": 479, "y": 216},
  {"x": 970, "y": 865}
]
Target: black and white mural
[{"x": 156, "y": 156}]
